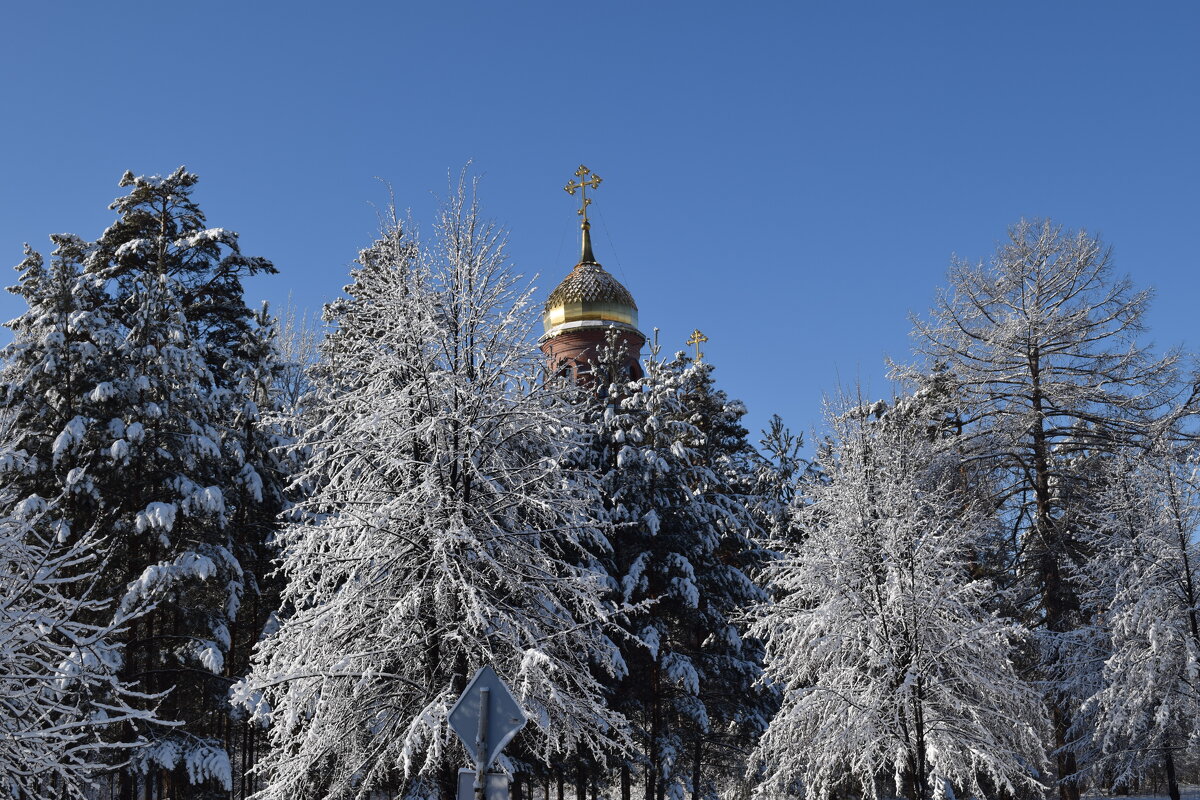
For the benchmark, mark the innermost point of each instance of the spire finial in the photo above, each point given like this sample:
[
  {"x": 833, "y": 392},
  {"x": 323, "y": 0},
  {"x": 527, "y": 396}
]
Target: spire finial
[
  {"x": 697, "y": 338},
  {"x": 582, "y": 185}
]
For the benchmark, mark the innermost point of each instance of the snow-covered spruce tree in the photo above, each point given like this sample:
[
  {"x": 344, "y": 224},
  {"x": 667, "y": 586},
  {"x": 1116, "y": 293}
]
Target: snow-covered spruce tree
[
  {"x": 437, "y": 534},
  {"x": 1042, "y": 347},
  {"x": 677, "y": 475},
  {"x": 895, "y": 676},
  {"x": 134, "y": 419},
  {"x": 1144, "y": 583}
]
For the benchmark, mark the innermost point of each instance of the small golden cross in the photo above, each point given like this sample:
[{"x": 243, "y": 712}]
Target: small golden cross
[
  {"x": 697, "y": 338},
  {"x": 583, "y": 183}
]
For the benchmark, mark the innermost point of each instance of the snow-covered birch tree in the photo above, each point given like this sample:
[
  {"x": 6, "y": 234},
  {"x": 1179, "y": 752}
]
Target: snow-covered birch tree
[
  {"x": 62, "y": 704},
  {"x": 895, "y": 675},
  {"x": 440, "y": 530}
]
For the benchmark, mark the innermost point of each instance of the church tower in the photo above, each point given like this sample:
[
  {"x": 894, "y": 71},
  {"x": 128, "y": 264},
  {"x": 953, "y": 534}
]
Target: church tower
[{"x": 587, "y": 303}]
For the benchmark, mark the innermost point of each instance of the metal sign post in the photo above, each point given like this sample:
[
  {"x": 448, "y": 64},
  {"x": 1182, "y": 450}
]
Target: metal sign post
[
  {"x": 486, "y": 717},
  {"x": 481, "y": 739}
]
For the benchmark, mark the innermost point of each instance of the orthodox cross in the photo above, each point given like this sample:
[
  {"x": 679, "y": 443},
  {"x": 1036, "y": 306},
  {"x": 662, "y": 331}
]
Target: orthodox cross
[
  {"x": 697, "y": 338},
  {"x": 583, "y": 184}
]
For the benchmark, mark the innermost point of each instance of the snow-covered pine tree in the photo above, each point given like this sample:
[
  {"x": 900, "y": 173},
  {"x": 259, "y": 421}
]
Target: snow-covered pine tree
[
  {"x": 161, "y": 226},
  {"x": 895, "y": 675},
  {"x": 437, "y": 534},
  {"x": 74, "y": 426},
  {"x": 1144, "y": 584},
  {"x": 63, "y": 708},
  {"x": 676, "y": 474},
  {"x": 1042, "y": 347},
  {"x": 50, "y": 367},
  {"x": 119, "y": 400},
  {"x": 729, "y": 663},
  {"x": 160, "y": 502},
  {"x": 160, "y": 250}
]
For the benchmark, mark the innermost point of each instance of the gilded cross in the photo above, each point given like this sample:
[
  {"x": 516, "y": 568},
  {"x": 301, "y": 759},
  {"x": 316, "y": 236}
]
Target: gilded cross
[
  {"x": 697, "y": 338},
  {"x": 582, "y": 184}
]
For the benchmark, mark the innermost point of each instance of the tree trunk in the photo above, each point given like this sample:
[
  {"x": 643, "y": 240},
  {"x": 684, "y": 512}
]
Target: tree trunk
[
  {"x": 1057, "y": 599},
  {"x": 125, "y": 784},
  {"x": 1189, "y": 586},
  {"x": 447, "y": 782},
  {"x": 696, "y": 753},
  {"x": 1172, "y": 782},
  {"x": 921, "y": 776},
  {"x": 625, "y": 781},
  {"x": 652, "y": 774},
  {"x": 1067, "y": 765}
]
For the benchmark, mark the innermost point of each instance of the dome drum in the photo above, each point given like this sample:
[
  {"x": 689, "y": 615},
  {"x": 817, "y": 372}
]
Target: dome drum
[{"x": 573, "y": 352}]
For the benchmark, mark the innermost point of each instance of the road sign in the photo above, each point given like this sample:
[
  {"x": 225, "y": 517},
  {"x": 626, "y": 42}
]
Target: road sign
[
  {"x": 495, "y": 785},
  {"x": 486, "y": 717}
]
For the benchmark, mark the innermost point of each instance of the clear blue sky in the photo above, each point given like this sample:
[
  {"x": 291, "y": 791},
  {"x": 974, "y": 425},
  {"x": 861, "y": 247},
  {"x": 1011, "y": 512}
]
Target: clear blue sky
[{"x": 790, "y": 177}]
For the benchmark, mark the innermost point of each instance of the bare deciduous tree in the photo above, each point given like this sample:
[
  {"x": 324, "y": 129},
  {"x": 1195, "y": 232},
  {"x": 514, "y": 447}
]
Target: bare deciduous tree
[
  {"x": 1043, "y": 345},
  {"x": 300, "y": 336}
]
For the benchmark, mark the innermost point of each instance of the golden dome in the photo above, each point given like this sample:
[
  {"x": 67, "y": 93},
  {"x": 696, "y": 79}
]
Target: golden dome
[{"x": 590, "y": 296}]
